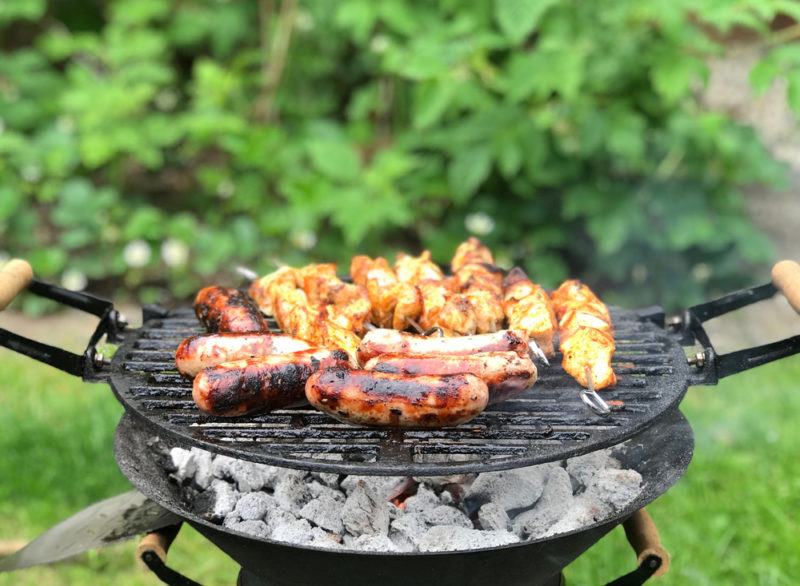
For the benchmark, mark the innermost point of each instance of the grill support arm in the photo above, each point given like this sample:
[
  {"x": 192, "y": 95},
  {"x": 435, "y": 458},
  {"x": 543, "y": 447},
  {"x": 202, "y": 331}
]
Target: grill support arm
[
  {"x": 88, "y": 365},
  {"x": 713, "y": 366}
]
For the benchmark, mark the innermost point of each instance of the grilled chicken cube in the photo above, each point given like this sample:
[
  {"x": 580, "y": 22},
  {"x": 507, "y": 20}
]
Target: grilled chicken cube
[
  {"x": 262, "y": 290},
  {"x": 589, "y": 349},
  {"x": 528, "y": 308},
  {"x": 413, "y": 269},
  {"x": 470, "y": 251}
]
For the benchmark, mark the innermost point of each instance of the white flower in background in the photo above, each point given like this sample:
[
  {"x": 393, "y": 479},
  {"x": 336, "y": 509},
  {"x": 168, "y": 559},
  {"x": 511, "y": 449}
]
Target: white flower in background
[
  {"x": 166, "y": 100},
  {"x": 479, "y": 223},
  {"x": 303, "y": 239},
  {"x": 31, "y": 173},
  {"x": 74, "y": 280},
  {"x": 136, "y": 253},
  {"x": 701, "y": 272},
  {"x": 65, "y": 124},
  {"x": 304, "y": 21},
  {"x": 379, "y": 44},
  {"x": 174, "y": 252},
  {"x": 225, "y": 188},
  {"x": 639, "y": 273}
]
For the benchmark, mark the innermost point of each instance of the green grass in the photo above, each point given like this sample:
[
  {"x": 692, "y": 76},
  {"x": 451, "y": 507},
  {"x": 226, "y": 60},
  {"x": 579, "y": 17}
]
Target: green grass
[{"x": 733, "y": 519}]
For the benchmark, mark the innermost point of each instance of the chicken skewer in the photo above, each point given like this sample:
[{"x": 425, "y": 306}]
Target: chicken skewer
[
  {"x": 586, "y": 335},
  {"x": 528, "y": 308}
]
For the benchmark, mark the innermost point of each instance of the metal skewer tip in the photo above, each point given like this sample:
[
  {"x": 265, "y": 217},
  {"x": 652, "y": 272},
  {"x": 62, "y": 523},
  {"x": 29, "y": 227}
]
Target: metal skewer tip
[
  {"x": 247, "y": 273},
  {"x": 536, "y": 353},
  {"x": 592, "y": 400}
]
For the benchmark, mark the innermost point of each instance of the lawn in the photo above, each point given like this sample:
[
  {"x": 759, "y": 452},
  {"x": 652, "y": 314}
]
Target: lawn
[{"x": 733, "y": 519}]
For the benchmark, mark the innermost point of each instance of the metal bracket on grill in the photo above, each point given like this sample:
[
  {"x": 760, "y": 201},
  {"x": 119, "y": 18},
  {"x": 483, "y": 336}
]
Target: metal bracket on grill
[
  {"x": 713, "y": 366},
  {"x": 88, "y": 365}
]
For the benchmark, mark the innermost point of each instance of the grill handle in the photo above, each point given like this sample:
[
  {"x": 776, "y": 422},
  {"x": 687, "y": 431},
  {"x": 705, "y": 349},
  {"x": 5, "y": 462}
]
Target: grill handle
[
  {"x": 152, "y": 552},
  {"x": 712, "y": 366},
  {"x": 14, "y": 277},
  {"x": 786, "y": 277},
  {"x": 651, "y": 556},
  {"x": 17, "y": 276}
]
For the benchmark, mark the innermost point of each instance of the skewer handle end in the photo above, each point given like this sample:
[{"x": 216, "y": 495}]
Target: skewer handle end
[
  {"x": 14, "y": 277},
  {"x": 786, "y": 277}
]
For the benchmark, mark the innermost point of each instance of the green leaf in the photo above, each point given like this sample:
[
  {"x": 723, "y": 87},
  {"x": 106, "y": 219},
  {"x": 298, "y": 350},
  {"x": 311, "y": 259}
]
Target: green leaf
[
  {"x": 335, "y": 159},
  {"x": 793, "y": 91},
  {"x": 673, "y": 74},
  {"x": 517, "y": 18},
  {"x": 468, "y": 169},
  {"x": 432, "y": 100}
]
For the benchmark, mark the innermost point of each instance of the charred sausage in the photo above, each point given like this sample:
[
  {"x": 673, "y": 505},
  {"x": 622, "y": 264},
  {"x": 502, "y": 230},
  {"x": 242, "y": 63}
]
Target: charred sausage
[
  {"x": 380, "y": 399},
  {"x": 383, "y": 341},
  {"x": 207, "y": 350},
  {"x": 225, "y": 309},
  {"x": 505, "y": 373},
  {"x": 261, "y": 384}
]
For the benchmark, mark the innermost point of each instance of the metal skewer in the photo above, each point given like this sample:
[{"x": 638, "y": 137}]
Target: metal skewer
[
  {"x": 592, "y": 400},
  {"x": 536, "y": 353}
]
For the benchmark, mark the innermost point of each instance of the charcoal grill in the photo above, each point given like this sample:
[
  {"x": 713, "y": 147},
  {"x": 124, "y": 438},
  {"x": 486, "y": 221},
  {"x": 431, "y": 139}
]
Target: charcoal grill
[{"x": 549, "y": 422}]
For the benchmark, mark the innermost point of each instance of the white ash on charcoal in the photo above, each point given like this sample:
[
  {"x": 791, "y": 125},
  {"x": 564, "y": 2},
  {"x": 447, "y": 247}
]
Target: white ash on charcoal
[{"x": 401, "y": 514}]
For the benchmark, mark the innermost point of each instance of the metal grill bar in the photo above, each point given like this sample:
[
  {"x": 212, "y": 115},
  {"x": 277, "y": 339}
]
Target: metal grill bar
[{"x": 548, "y": 422}]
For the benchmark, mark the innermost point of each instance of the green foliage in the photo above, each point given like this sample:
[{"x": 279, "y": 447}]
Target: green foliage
[{"x": 152, "y": 145}]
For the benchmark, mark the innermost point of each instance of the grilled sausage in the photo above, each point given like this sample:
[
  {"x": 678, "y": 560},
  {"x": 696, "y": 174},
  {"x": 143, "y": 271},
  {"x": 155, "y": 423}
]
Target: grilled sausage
[
  {"x": 382, "y": 341},
  {"x": 261, "y": 384},
  {"x": 381, "y": 399},
  {"x": 207, "y": 350},
  {"x": 225, "y": 309},
  {"x": 505, "y": 373}
]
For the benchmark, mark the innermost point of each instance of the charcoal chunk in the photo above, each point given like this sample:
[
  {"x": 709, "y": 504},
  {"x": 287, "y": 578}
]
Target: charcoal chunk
[{"x": 364, "y": 512}]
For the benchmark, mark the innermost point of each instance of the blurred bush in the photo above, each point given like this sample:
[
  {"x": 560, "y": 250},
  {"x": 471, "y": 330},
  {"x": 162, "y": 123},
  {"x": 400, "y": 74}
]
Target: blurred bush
[{"x": 149, "y": 145}]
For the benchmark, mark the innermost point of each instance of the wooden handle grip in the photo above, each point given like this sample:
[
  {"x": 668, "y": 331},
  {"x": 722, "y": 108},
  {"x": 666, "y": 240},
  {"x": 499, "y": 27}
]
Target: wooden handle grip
[
  {"x": 157, "y": 542},
  {"x": 643, "y": 536},
  {"x": 14, "y": 277},
  {"x": 786, "y": 277}
]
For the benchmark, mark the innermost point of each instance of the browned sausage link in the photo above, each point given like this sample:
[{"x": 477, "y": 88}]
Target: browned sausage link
[
  {"x": 207, "y": 350},
  {"x": 384, "y": 341},
  {"x": 225, "y": 309},
  {"x": 264, "y": 383},
  {"x": 362, "y": 397},
  {"x": 505, "y": 373}
]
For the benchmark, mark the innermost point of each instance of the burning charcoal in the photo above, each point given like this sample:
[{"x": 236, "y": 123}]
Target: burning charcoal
[
  {"x": 249, "y": 476},
  {"x": 318, "y": 490},
  {"x": 555, "y": 501},
  {"x": 617, "y": 488},
  {"x": 298, "y": 531},
  {"x": 217, "y": 502},
  {"x": 382, "y": 485},
  {"x": 251, "y": 527},
  {"x": 511, "y": 489},
  {"x": 582, "y": 468},
  {"x": 324, "y": 512},
  {"x": 292, "y": 493},
  {"x": 444, "y": 515},
  {"x": 493, "y": 517},
  {"x": 364, "y": 512},
  {"x": 221, "y": 466},
  {"x": 379, "y": 543},
  {"x": 439, "y": 482},
  {"x": 254, "y": 505},
  {"x": 203, "y": 474},
  {"x": 407, "y": 530},
  {"x": 276, "y": 516},
  {"x": 424, "y": 500},
  {"x": 583, "y": 512},
  {"x": 450, "y": 538},
  {"x": 328, "y": 479},
  {"x": 322, "y": 538},
  {"x": 395, "y": 512},
  {"x": 183, "y": 463}
]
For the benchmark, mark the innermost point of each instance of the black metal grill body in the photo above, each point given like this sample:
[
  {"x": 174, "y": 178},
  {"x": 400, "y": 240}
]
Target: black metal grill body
[
  {"x": 661, "y": 454},
  {"x": 548, "y": 422}
]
